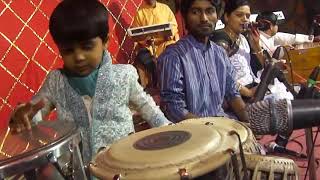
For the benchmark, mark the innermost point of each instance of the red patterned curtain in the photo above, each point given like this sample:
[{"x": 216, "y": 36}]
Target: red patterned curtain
[{"x": 28, "y": 53}]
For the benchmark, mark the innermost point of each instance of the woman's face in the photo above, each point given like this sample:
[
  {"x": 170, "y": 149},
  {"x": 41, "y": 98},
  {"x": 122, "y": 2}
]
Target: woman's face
[{"x": 235, "y": 20}]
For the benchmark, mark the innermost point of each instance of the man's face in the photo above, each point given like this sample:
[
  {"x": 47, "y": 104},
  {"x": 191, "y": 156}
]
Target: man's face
[
  {"x": 201, "y": 18},
  {"x": 235, "y": 20},
  {"x": 151, "y": 2},
  {"x": 82, "y": 58}
]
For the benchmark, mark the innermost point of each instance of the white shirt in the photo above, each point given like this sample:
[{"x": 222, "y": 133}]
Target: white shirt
[{"x": 270, "y": 43}]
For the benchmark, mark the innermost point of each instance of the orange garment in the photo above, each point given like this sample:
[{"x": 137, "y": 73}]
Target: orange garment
[{"x": 159, "y": 14}]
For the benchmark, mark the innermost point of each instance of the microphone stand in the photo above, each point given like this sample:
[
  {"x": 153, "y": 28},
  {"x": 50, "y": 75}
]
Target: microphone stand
[
  {"x": 308, "y": 131},
  {"x": 280, "y": 76}
]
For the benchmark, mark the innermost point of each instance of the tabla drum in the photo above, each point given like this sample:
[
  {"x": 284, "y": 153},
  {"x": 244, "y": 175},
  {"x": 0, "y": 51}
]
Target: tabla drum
[
  {"x": 249, "y": 142},
  {"x": 180, "y": 151},
  {"x": 46, "y": 143},
  {"x": 271, "y": 168}
]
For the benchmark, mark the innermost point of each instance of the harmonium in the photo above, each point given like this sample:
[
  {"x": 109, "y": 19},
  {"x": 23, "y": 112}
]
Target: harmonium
[
  {"x": 302, "y": 59},
  {"x": 157, "y": 31}
]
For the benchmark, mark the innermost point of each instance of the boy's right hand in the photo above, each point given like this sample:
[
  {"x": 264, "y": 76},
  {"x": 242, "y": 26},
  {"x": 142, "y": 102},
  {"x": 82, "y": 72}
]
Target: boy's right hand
[{"x": 22, "y": 116}]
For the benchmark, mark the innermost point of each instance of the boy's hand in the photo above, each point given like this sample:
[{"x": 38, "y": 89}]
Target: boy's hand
[{"x": 22, "y": 116}]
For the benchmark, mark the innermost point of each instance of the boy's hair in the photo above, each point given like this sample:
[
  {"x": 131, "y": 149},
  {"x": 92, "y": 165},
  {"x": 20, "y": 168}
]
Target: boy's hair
[
  {"x": 186, "y": 4},
  {"x": 232, "y": 5},
  {"x": 79, "y": 20},
  {"x": 267, "y": 16}
]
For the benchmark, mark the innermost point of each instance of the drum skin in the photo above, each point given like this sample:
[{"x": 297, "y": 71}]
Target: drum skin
[
  {"x": 160, "y": 153},
  {"x": 249, "y": 142}
]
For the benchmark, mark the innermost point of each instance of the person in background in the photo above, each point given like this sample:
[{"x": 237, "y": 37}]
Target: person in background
[
  {"x": 195, "y": 73},
  {"x": 270, "y": 38},
  {"x": 89, "y": 90},
  {"x": 149, "y": 13},
  {"x": 236, "y": 15}
]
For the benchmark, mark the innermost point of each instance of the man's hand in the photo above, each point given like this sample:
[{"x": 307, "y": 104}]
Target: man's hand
[{"x": 22, "y": 116}]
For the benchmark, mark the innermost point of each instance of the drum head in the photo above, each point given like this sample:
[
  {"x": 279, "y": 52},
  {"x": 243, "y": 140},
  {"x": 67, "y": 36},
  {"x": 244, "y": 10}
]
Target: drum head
[
  {"x": 27, "y": 143},
  {"x": 225, "y": 124},
  {"x": 159, "y": 153}
]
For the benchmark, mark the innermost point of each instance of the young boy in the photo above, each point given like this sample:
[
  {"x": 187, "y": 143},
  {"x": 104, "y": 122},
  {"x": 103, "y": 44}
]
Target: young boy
[{"x": 89, "y": 90}]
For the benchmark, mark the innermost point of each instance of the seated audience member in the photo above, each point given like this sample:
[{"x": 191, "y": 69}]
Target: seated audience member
[
  {"x": 236, "y": 15},
  {"x": 149, "y": 13},
  {"x": 195, "y": 73},
  {"x": 270, "y": 38},
  {"x": 89, "y": 90}
]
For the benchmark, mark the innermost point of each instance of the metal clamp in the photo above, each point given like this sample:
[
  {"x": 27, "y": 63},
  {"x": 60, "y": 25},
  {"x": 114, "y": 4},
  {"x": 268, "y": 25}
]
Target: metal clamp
[{"x": 184, "y": 175}]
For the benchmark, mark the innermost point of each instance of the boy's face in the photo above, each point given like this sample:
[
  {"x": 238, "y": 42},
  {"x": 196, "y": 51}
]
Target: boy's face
[
  {"x": 201, "y": 18},
  {"x": 236, "y": 19},
  {"x": 83, "y": 57}
]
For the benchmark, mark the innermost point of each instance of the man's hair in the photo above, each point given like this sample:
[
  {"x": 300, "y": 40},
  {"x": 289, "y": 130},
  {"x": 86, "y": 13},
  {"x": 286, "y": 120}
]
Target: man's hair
[
  {"x": 78, "y": 20},
  {"x": 186, "y": 4},
  {"x": 267, "y": 16}
]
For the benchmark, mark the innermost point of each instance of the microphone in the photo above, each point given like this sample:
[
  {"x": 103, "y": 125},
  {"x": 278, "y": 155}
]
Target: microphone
[
  {"x": 283, "y": 116},
  {"x": 255, "y": 25},
  {"x": 273, "y": 147}
]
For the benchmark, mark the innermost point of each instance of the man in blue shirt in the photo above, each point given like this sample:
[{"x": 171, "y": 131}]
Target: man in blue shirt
[{"x": 195, "y": 74}]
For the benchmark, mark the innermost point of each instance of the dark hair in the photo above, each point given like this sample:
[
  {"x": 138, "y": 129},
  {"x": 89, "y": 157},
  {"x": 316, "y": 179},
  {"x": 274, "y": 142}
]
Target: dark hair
[
  {"x": 267, "y": 16},
  {"x": 232, "y": 5},
  {"x": 78, "y": 20},
  {"x": 186, "y": 4}
]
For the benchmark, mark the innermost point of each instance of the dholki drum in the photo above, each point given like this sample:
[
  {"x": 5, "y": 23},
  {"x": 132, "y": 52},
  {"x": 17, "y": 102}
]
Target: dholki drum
[
  {"x": 49, "y": 143},
  {"x": 174, "y": 152},
  {"x": 271, "y": 168},
  {"x": 249, "y": 142}
]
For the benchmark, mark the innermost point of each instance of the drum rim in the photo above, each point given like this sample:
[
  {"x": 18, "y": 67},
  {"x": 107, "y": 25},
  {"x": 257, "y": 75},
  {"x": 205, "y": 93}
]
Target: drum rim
[{"x": 37, "y": 155}]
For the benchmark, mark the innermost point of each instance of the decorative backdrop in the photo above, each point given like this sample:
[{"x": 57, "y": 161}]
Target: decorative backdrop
[{"x": 28, "y": 53}]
